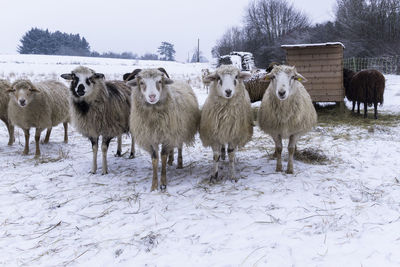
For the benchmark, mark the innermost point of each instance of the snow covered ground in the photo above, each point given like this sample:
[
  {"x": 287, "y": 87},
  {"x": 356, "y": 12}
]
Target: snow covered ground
[{"x": 344, "y": 211}]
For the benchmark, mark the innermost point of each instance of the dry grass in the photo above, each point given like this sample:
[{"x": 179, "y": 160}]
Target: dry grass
[
  {"x": 311, "y": 156},
  {"x": 331, "y": 115}
]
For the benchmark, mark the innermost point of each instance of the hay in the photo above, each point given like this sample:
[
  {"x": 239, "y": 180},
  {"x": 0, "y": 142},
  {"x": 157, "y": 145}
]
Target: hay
[{"x": 311, "y": 156}]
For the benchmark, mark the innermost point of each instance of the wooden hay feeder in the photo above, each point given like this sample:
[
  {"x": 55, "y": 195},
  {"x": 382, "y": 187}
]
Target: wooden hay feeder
[{"x": 322, "y": 65}]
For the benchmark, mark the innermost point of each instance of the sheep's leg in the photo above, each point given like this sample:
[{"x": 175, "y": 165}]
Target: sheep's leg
[
  {"x": 171, "y": 157},
  {"x": 119, "y": 146},
  {"x": 216, "y": 157},
  {"x": 180, "y": 158},
  {"x": 223, "y": 152},
  {"x": 47, "y": 138},
  {"x": 365, "y": 109},
  {"x": 358, "y": 107},
  {"x": 10, "y": 129},
  {"x": 26, "y": 149},
  {"x": 231, "y": 155},
  {"x": 37, "y": 139},
  {"x": 165, "y": 151},
  {"x": 104, "y": 148},
  {"x": 65, "y": 124},
  {"x": 291, "y": 149},
  {"x": 354, "y": 105},
  {"x": 95, "y": 146},
  {"x": 278, "y": 150},
  {"x": 376, "y": 110},
  {"x": 154, "y": 159},
  {"x": 132, "y": 155}
]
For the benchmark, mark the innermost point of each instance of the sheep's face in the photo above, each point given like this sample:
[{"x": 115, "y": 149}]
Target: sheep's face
[
  {"x": 151, "y": 83},
  {"x": 282, "y": 79},
  {"x": 23, "y": 92},
  {"x": 226, "y": 79},
  {"x": 204, "y": 72},
  {"x": 82, "y": 83}
]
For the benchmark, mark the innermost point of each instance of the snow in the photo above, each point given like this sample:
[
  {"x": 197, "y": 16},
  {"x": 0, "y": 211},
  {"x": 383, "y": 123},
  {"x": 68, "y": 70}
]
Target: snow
[
  {"x": 345, "y": 212},
  {"x": 313, "y": 45}
]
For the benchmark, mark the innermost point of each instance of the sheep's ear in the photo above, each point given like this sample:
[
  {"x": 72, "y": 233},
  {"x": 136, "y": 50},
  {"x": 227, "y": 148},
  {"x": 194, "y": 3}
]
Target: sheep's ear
[
  {"x": 243, "y": 75},
  {"x": 132, "y": 82},
  {"x": 33, "y": 88},
  {"x": 212, "y": 77},
  {"x": 269, "y": 76},
  {"x": 10, "y": 89},
  {"x": 163, "y": 71},
  {"x": 67, "y": 76},
  {"x": 132, "y": 75},
  {"x": 98, "y": 75},
  {"x": 300, "y": 78},
  {"x": 167, "y": 80}
]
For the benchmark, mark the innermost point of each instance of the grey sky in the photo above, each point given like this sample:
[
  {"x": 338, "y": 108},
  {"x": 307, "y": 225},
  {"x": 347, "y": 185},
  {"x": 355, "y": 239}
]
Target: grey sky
[{"x": 138, "y": 26}]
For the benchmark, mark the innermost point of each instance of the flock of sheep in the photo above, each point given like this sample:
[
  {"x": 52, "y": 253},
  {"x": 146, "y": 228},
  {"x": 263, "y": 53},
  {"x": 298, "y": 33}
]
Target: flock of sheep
[{"x": 155, "y": 110}]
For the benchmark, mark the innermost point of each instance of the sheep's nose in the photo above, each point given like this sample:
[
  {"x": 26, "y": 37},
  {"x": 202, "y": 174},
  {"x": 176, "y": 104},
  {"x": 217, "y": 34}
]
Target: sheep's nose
[
  {"x": 22, "y": 102},
  {"x": 81, "y": 90},
  {"x": 282, "y": 93},
  {"x": 228, "y": 92},
  {"x": 152, "y": 97}
]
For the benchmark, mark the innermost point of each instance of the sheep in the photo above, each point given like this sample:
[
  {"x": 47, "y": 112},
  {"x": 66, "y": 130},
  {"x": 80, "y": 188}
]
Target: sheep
[
  {"x": 286, "y": 110},
  {"x": 4, "y": 99},
  {"x": 163, "y": 112},
  {"x": 226, "y": 117},
  {"x": 257, "y": 85},
  {"x": 99, "y": 108},
  {"x": 366, "y": 86},
  {"x": 41, "y": 105},
  {"x": 204, "y": 74}
]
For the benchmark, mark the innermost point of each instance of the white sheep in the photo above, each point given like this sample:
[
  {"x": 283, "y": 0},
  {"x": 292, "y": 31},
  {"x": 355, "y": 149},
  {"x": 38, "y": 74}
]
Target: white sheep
[
  {"x": 4, "y": 99},
  {"x": 99, "y": 108},
  {"x": 286, "y": 110},
  {"x": 206, "y": 82},
  {"x": 163, "y": 112},
  {"x": 41, "y": 105},
  {"x": 226, "y": 117}
]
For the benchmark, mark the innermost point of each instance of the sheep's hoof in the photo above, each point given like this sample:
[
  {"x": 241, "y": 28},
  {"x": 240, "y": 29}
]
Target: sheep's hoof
[
  {"x": 132, "y": 156},
  {"x": 289, "y": 171},
  {"x": 104, "y": 172},
  {"x": 180, "y": 166},
  {"x": 163, "y": 187},
  {"x": 233, "y": 179},
  {"x": 37, "y": 156},
  {"x": 92, "y": 172},
  {"x": 66, "y": 141},
  {"x": 26, "y": 152},
  {"x": 214, "y": 178},
  {"x": 153, "y": 187},
  {"x": 170, "y": 162},
  {"x": 118, "y": 154},
  {"x": 278, "y": 168},
  {"x": 223, "y": 156},
  {"x": 10, "y": 143},
  {"x": 46, "y": 141}
]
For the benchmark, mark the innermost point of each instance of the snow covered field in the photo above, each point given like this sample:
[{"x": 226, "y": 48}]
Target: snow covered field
[{"x": 340, "y": 211}]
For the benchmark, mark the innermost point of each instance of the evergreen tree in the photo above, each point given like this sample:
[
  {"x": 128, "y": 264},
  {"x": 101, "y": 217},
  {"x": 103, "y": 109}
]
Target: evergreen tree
[{"x": 166, "y": 51}]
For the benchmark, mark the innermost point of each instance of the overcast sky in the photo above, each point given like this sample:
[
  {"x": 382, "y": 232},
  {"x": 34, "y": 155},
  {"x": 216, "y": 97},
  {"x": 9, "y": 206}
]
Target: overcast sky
[{"x": 137, "y": 26}]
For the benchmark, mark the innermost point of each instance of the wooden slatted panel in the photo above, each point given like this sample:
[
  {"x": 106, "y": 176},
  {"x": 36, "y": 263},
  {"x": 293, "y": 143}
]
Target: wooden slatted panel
[{"x": 323, "y": 68}]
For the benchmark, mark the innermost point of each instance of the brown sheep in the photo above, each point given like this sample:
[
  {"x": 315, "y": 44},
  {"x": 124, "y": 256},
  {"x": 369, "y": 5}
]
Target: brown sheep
[
  {"x": 347, "y": 75},
  {"x": 367, "y": 86}
]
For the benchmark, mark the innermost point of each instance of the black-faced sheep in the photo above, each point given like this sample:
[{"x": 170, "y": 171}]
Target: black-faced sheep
[
  {"x": 286, "y": 111},
  {"x": 366, "y": 86},
  {"x": 4, "y": 99},
  {"x": 41, "y": 105},
  {"x": 226, "y": 116},
  {"x": 163, "y": 112},
  {"x": 99, "y": 108}
]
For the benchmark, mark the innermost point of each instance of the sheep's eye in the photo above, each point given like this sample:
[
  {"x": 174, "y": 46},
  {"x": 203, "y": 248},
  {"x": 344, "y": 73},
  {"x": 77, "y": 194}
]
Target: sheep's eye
[
  {"x": 293, "y": 77},
  {"x": 160, "y": 82}
]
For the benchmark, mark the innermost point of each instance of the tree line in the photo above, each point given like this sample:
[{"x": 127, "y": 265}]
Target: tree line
[
  {"x": 44, "y": 42},
  {"x": 367, "y": 28}
]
